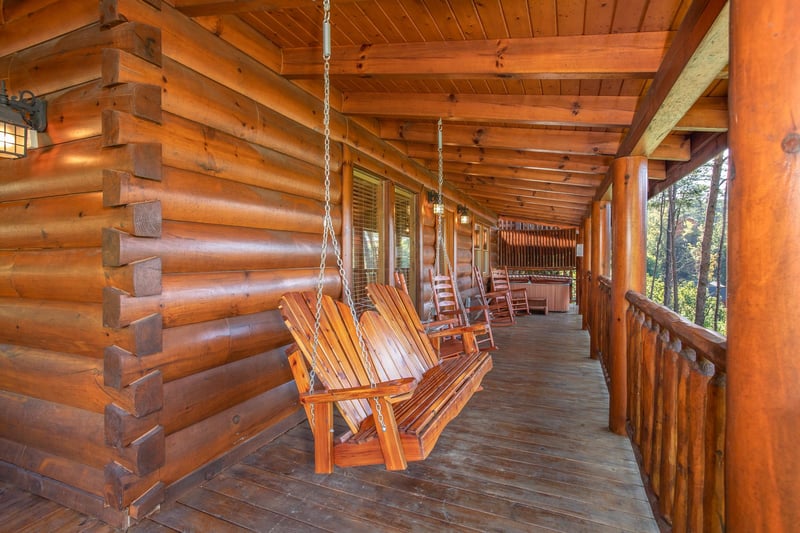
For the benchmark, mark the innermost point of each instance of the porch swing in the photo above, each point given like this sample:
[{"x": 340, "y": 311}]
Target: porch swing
[{"x": 392, "y": 391}]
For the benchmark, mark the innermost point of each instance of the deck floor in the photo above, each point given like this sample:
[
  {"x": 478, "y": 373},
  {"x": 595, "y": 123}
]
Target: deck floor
[{"x": 531, "y": 452}]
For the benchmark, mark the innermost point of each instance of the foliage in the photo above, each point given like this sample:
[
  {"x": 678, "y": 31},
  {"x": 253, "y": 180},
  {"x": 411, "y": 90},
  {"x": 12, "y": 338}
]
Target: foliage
[{"x": 691, "y": 200}]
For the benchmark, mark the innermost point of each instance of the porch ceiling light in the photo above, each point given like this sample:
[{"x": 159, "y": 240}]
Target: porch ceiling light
[
  {"x": 17, "y": 115},
  {"x": 463, "y": 214},
  {"x": 436, "y": 199}
]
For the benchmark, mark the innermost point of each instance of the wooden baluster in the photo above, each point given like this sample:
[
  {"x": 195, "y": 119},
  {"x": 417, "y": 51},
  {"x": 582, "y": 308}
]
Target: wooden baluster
[
  {"x": 714, "y": 491},
  {"x": 680, "y": 506},
  {"x": 666, "y": 432},
  {"x": 698, "y": 419},
  {"x": 648, "y": 402}
]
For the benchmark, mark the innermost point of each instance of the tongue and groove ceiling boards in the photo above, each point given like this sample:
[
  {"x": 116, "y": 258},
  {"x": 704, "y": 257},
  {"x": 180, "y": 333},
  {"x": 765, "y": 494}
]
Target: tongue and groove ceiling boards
[{"x": 537, "y": 96}]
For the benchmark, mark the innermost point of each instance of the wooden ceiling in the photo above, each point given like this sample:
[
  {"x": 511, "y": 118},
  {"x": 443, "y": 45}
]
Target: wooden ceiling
[{"x": 537, "y": 96}]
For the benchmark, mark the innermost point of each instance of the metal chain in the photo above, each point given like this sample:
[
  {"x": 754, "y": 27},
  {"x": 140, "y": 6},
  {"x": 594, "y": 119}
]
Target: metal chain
[
  {"x": 328, "y": 231},
  {"x": 440, "y": 248}
]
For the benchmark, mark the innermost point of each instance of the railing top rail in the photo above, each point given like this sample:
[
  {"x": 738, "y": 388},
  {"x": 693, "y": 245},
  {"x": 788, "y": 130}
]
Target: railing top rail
[{"x": 705, "y": 342}]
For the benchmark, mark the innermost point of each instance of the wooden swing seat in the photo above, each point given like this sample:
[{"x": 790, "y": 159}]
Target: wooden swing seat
[{"x": 418, "y": 395}]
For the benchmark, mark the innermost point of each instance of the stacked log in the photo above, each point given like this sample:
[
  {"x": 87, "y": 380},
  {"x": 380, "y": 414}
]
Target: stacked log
[{"x": 176, "y": 194}]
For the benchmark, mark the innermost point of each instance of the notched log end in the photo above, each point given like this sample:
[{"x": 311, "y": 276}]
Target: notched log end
[
  {"x": 113, "y": 300},
  {"x": 146, "y": 219},
  {"x": 146, "y": 277},
  {"x": 147, "y": 334},
  {"x": 118, "y": 366}
]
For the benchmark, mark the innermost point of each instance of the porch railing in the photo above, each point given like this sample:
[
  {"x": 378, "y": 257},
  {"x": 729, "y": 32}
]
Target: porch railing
[{"x": 676, "y": 408}]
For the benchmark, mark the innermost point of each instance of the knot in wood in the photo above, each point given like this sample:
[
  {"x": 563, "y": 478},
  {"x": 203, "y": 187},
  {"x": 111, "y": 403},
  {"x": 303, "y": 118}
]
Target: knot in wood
[{"x": 791, "y": 143}]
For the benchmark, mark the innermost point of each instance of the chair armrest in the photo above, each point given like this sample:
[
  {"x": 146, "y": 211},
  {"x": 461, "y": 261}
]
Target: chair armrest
[
  {"x": 440, "y": 323},
  {"x": 473, "y": 329},
  {"x": 497, "y": 294},
  {"x": 386, "y": 388}
]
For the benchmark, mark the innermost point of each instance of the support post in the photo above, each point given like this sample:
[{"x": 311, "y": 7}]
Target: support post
[
  {"x": 629, "y": 211},
  {"x": 600, "y": 230},
  {"x": 588, "y": 274},
  {"x": 762, "y": 464}
]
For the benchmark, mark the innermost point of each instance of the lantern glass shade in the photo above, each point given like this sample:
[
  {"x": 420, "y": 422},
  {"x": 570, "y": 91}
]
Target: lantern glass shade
[
  {"x": 438, "y": 208},
  {"x": 13, "y": 138}
]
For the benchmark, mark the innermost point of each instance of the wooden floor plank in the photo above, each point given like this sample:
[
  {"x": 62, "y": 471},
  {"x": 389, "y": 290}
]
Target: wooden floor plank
[
  {"x": 531, "y": 452},
  {"x": 179, "y": 517}
]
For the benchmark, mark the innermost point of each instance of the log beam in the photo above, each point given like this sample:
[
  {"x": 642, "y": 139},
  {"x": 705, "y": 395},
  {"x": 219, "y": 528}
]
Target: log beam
[
  {"x": 707, "y": 114},
  {"x": 700, "y": 54},
  {"x": 628, "y": 55},
  {"x": 199, "y": 8},
  {"x": 674, "y": 147}
]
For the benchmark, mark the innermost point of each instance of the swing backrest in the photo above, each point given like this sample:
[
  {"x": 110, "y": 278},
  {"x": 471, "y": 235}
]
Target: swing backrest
[
  {"x": 396, "y": 307},
  {"x": 340, "y": 363}
]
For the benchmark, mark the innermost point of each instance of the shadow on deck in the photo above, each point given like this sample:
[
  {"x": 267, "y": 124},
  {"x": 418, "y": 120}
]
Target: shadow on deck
[{"x": 532, "y": 452}]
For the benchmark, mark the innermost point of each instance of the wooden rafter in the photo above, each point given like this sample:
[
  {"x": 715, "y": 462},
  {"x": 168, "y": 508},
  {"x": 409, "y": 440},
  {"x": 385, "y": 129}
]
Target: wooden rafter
[
  {"x": 199, "y": 8},
  {"x": 525, "y": 174},
  {"x": 707, "y": 114},
  {"x": 579, "y": 164},
  {"x": 473, "y": 183},
  {"x": 673, "y": 148},
  {"x": 620, "y": 55}
]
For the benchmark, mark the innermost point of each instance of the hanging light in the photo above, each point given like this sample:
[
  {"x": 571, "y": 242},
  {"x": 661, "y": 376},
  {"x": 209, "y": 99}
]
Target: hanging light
[
  {"x": 17, "y": 115},
  {"x": 438, "y": 203},
  {"x": 463, "y": 214}
]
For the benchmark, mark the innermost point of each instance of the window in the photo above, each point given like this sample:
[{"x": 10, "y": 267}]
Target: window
[
  {"x": 367, "y": 243},
  {"x": 480, "y": 247},
  {"x": 404, "y": 230},
  {"x": 376, "y": 256}
]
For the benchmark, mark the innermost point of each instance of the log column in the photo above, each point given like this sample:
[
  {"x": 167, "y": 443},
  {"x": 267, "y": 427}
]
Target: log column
[
  {"x": 629, "y": 211},
  {"x": 599, "y": 248},
  {"x": 763, "y": 401}
]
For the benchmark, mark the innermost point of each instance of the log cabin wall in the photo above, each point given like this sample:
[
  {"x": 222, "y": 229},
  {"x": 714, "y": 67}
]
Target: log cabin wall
[{"x": 174, "y": 197}]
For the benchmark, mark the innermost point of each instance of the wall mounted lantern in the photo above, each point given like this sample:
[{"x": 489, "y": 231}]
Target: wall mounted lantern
[
  {"x": 438, "y": 204},
  {"x": 463, "y": 214},
  {"x": 17, "y": 115}
]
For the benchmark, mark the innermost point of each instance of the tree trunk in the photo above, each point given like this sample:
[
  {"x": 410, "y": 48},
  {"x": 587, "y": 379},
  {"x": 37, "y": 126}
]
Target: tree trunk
[
  {"x": 669, "y": 249},
  {"x": 720, "y": 250},
  {"x": 658, "y": 245},
  {"x": 705, "y": 245}
]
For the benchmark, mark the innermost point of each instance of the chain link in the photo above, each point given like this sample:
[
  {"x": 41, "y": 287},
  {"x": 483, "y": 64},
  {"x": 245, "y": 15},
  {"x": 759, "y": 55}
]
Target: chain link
[
  {"x": 440, "y": 247},
  {"x": 328, "y": 231}
]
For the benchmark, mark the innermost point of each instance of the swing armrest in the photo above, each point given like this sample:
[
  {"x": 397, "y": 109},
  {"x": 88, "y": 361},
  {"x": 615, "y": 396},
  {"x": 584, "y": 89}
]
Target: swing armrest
[{"x": 396, "y": 387}]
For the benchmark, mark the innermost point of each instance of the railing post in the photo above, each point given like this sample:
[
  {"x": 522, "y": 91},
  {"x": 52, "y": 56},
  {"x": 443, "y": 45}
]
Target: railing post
[
  {"x": 629, "y": 212},
  {"x": 763, "y": 415}
]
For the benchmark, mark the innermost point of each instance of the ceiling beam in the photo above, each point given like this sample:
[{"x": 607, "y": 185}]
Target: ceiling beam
[
  {"x": 708, "y": 114},
  {"x": 617, "y": 55},
  {"x": 700, "y": 53},
  {"x": 705, "y": 147},
  {"x": 201, "y": 8},
  {"x": 524, "y": 174},
  {"x": 576, "y": 164},
  {"x": 535, "y": 197},
  {"x": 461, "y": 182},
  {"x": 673, "y": 148},
  {"x": 580, "y": 164}
]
